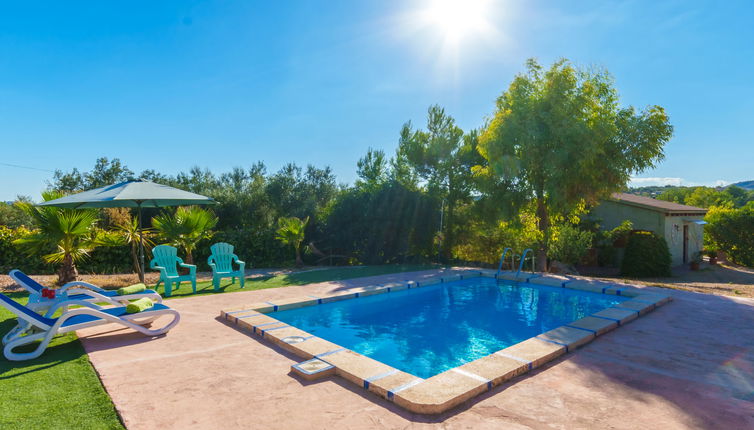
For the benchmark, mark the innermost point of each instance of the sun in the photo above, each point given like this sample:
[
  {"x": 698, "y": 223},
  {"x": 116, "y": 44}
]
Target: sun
[{"x": 457, "y": 19}]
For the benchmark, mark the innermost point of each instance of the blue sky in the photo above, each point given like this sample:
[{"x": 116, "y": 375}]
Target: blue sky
[{"x": 168, "y": 85}]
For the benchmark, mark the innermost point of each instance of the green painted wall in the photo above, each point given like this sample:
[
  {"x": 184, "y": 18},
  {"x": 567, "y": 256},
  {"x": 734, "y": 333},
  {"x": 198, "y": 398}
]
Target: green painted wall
[{"x": 611, "y": 214}]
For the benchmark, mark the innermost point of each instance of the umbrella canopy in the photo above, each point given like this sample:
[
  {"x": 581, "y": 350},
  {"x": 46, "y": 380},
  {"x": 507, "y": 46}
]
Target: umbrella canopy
[
  {"x": 130, "y": 194},
  {"x": 137, "y": 193}
]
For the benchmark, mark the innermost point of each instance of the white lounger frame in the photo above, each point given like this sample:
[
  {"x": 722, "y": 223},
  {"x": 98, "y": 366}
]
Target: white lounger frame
[{"x": 31, "y": 329}]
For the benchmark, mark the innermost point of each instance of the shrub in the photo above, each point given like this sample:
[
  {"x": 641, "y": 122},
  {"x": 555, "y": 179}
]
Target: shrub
[
  {"x": 571, "y": 244},
  {"x": 12, "y": 257},
  {"x": 646, "y": 255},
  {"x": 482, "y": 242},
  {"x": 732, "y": 231}
]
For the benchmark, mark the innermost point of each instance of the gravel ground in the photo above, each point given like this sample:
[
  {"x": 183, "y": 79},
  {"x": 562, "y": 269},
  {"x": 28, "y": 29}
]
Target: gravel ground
[
  {"x": 125, "y": 279},
  {"x": 720, "y": 279}
]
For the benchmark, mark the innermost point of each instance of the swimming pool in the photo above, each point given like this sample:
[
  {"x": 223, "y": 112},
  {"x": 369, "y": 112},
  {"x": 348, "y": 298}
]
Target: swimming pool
[
  {"x": 432, "y": 342},
  {"x": 427, "y": 331}
]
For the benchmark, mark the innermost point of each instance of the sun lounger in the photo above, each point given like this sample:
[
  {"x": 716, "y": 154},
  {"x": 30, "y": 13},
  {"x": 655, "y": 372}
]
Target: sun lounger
[
  {"x": 33, "y": 327},
  {"x": 77, "y": 290}
]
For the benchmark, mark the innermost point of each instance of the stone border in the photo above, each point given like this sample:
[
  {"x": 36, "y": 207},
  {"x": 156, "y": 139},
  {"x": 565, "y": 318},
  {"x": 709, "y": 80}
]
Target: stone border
[{"x": 452, "y": 387}]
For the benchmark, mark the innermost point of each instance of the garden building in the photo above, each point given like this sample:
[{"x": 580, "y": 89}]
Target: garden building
[{"x": 682, "y": 226}]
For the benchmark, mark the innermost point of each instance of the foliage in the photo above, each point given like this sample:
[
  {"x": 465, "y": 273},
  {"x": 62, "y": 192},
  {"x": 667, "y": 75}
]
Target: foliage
[
  {"x": 483, "y": 241},
  {"x": 442, "y": 156},
  {"x": 707, "y": 197},
  {"x": 12, "y": 216},
  {"x": 732, "y": 231},
  {"x": 609, "y": 242},
  {"x": 185, "y": 228},
  {"x": 128, "y": 230},
  {"x": 105, "y": 172},
  {"x": 570, "y": 243},
  {"x": 63, "y": 236},
  {"x": 11, "y": 257},
  {"x": 387, "y": 224},
  {"x": 372, "y": 169},
  {"x": 560, "y": 138},
  {"x": 291, "y": 231},
  {"x": 647, "y": 255}
]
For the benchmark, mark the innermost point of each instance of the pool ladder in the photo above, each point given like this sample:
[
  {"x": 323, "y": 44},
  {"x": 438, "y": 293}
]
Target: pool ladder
[{"x": 513, "y": 257}]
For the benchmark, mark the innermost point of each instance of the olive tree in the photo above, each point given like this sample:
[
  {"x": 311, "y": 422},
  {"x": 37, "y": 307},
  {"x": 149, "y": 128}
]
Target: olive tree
[{"x": 561, "y": 139}]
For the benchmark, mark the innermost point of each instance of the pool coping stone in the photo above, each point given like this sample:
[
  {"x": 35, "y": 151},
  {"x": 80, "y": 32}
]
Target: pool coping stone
[{"x": 454, "y": 386}]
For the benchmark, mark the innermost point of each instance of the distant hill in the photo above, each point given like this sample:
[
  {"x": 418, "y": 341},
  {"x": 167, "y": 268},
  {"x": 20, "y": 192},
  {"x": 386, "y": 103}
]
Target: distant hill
[{"x": 749, "y": 185}]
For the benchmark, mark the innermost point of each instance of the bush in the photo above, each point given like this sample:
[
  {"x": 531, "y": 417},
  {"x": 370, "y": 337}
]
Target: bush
[
  {"x": 12, "y": 257},
  {"x": 732, "y": 231},
  {"x": 570, "y": 244},
  {"x": 646, "y": 255},
  {"x": 482, "y": 242},
  {"x": 610, "y": 244}
]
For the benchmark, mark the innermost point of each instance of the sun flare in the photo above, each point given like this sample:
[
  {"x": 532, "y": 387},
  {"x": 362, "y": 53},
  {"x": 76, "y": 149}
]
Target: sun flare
[{"x": 457, "y": 19}]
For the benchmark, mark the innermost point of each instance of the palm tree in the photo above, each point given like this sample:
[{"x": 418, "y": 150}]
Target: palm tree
[
  {"x": 291, "y": 231},
  {"x": 128, "y": 230},
  {"x": 72, "y": 233},
  {"x": 186, "y": 228}
]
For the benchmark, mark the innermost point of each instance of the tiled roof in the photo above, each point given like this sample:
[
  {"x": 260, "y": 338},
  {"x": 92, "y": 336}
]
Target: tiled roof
[{"x": 659, "y": 205}]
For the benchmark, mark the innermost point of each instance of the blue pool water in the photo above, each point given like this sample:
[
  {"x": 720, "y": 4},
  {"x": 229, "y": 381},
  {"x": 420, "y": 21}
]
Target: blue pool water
[{"x": 428, "y": 330}]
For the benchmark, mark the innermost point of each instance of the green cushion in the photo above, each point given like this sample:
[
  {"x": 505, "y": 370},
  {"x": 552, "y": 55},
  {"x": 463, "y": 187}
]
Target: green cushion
[
  {"x": 131, "y": 289},
  {"x": 137, "y": 306}
]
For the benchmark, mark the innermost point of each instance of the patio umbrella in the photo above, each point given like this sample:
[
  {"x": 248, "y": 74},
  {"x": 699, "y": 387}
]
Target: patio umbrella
[{"x": 137, "y": 193}]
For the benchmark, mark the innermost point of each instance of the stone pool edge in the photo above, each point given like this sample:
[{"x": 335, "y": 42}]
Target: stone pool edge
[{"x": 448, "y": 389}]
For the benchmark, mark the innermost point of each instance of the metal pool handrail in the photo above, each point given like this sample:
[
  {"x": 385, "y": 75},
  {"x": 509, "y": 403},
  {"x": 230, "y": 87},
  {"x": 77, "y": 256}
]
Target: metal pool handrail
[
  {"x": 502, "y": 258},
  {"x": 523, "y": 259}
]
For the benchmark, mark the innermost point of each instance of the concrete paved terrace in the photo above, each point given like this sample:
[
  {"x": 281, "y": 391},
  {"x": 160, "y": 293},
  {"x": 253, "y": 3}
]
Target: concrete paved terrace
[{"x": 688, "y": 364}]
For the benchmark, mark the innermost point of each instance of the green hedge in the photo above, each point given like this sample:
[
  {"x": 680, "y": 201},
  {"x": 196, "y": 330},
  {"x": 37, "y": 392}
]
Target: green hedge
[
  {"x": 647, "y": 255},
  {"x": 11, "y": 257},
  {"x": 115, "y": 259}
]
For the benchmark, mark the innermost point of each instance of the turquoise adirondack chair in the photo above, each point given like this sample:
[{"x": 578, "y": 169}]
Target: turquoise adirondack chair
[
  {"x": 166, "y": 260},
  {"x": 221, "y": 261}
]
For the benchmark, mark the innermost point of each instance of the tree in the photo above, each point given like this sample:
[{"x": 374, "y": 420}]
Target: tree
[
  {"x": 186, "y": 228},
  {"x": 12, "y": 216},
  {"x": 730, "y": 230},
  {"x": 561, "y": 140},
  {"x": 738, "y": 196},
  {"x": 706, "y": 197},
  {"x": 64, "y": 236},
  {"x": 105, "y": 172},
  {"x": 291, "y": 231},
  {"x": 372, "y": 169},
  {"x": 442, "y": 157},
  {"x": 128, "y": 230},
  {"x": 676, "y": 194}
]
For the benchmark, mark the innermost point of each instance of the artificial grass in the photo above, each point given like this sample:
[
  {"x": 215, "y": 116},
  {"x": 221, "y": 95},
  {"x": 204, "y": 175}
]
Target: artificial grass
[
  {"x": 294, "y": 278},
  {"x": 60, "y": 389}
]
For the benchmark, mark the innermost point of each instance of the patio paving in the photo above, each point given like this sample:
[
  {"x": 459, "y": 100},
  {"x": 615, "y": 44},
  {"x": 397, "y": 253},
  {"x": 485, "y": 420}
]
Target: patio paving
[{"x": 689, "y": 364}]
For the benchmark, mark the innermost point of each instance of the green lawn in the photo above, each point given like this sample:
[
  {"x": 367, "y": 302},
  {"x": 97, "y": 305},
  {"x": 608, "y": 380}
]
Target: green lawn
[
  {"x": 295, "y": 278},
  {"x": 57, "y": 390},
  {"x": 60, "y": 389}
]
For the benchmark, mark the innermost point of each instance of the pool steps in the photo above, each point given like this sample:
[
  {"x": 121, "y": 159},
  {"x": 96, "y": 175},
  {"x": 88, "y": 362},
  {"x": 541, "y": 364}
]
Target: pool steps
[{"x": 455, "y": 386}]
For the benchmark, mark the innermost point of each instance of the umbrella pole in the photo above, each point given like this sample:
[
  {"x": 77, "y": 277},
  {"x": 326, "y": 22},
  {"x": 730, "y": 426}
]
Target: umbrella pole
[{"x": 141, "y": 248}]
